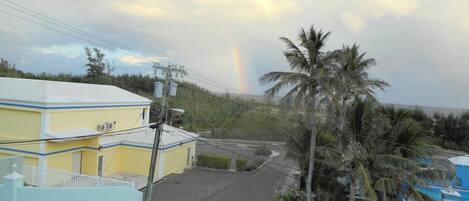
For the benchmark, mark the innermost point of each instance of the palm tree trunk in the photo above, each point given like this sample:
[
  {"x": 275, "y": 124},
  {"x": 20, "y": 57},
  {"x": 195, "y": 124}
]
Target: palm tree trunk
[
  {"x": 312, "y": 148},
  {"x": 342, "y": 109},
  {"x": 352, "y": 190}
]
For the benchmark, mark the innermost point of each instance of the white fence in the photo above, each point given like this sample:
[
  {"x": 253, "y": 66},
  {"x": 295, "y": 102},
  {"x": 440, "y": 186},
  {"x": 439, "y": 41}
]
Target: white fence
[{"x": 35, "y": 176}]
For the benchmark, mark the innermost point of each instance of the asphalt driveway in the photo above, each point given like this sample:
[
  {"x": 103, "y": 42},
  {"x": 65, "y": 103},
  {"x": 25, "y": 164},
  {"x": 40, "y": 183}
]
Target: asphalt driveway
[{"x": 208, "y": 185}]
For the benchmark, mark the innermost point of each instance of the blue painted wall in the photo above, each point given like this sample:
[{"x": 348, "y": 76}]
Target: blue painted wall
[
  {"x": 13, "y": 190},
  {"x": 78, "y": 194},
  {"x": 462, "y": 173}
]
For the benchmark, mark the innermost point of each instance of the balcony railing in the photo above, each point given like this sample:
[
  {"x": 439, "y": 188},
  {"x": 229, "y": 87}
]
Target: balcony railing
[{"x": 35, "y": 176}]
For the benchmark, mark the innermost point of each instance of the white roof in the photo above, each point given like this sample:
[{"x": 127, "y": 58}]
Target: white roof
[
  {"x": 144, "y": 137},
  {"x": 73, "y": 133},
  {"x": 42, "y": 93},
  {"x": 460, "y": 160}
]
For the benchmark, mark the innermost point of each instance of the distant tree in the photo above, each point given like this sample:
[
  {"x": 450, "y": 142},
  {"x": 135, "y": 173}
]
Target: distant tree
[
  {"x": 452, "y": 130},
  {"x": 97, "y": 66}
]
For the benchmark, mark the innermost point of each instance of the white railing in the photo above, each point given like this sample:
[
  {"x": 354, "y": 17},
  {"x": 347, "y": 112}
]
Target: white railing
[{"x": 35, "y": 176}]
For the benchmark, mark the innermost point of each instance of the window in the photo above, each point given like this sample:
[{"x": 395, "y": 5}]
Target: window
[{"x": 100, "y": 165}]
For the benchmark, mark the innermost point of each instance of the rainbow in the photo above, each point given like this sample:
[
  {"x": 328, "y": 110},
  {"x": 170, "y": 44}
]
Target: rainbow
[{"x": 240, "y": 70}]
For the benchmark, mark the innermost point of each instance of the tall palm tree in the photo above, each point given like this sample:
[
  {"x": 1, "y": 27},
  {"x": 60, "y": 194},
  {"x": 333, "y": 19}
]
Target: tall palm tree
[
  {"x": 310, "y": 66},
  {"x": 351, "y": 80}
]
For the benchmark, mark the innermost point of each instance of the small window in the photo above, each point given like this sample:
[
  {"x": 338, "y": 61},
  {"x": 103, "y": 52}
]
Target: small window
[
  {"x": 100, "y": 165},
  {"x": 143, "y": 113}
]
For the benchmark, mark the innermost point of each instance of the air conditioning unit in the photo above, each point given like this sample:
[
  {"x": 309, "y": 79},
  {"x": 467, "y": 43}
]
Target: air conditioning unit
[
  {"x": 102, "y": 127},
  {"x": 110, "y": 126}
]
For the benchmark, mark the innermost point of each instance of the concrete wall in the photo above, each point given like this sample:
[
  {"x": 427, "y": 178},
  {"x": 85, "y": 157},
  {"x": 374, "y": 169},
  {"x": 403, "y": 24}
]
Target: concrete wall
[
  {"x": 78, "y": 194},
  {"x": 6, "y": 164},
  {"x": 12, "y": 189}
]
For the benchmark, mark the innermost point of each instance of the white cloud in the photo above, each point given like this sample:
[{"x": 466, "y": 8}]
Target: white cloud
[
  {"x": 353, "y": 22},
  {"x": 68, "y": 51},
  {"x": 140, "y": 59},
  {"x": 123, "y": 56},
  {"x": 361, "y": 11},
  {"x": 9, "y": 30},
  {"x": 239, "y": 11}
]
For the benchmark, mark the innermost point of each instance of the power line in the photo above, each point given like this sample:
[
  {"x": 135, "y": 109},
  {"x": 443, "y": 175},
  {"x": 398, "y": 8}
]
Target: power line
[
  {"x": 56, "y": 23},
  {"x": 216, "y": 83},
  {"x": 57, "y": 30},
  {"x": 287, "y": 117},
  {"x": 67, "y": 25},
  {"x": 110, "y": 133}
]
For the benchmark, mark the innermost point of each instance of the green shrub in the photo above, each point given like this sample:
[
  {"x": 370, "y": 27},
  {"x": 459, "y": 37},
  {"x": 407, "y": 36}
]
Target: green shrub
[
  {"x": 241, "y": 165},
  {"x": 262, "y": 151},
  {"x": 290, "y": 195},
  {"x": 216, "y": 162}
]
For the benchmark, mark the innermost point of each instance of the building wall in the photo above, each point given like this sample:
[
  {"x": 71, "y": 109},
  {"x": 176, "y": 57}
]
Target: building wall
[
  {"x": 112, "y": 160},
  {"x": 462, "y": 173},
  {"x": 28, "y": 159},
  {"x": 60, "y": 162},
  {"x": 135, "y": 160},
  {"x": 176, "y": 158},
  {"x": 19, "y": 124},
  {"x": 89, "y": 165},
  {"x": 67, "y": 120}
]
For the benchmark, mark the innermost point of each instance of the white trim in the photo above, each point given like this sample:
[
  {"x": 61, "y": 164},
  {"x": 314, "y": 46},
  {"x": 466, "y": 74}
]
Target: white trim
[
  {"x": 42, "y": 162},
  {"x": 45, "y": 125},
  {"x": 146, "y": 120},
  {"x": 161, "y": 160}
]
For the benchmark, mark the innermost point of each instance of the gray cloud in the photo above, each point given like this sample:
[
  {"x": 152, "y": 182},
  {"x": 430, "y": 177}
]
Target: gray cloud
[{"x": 420, "y": 46}]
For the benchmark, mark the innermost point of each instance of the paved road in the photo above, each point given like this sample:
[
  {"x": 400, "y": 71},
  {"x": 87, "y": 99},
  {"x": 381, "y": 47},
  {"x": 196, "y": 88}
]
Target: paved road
[
  {"x": 203, "y": 185},
  {"x": 260, "y": 186}
]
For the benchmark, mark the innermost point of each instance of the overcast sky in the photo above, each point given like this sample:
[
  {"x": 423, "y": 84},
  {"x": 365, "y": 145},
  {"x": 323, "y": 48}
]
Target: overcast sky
[{"x": 421, "y": 47}]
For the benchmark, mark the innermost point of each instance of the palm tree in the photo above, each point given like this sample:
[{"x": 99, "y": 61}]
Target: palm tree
[
  {"x": 310, "y": 66},
  {"x": 351, "y": 80},
  {"x": 373, "y": 162}
]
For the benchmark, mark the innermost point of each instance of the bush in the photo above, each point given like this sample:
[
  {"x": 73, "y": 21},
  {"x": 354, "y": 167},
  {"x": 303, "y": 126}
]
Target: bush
[
  {"x": 216, "y": 162},
  {"x": 241, "y": 165},
  {"x": 262, "y": 151},
  {"x": 290, "y": 195}
]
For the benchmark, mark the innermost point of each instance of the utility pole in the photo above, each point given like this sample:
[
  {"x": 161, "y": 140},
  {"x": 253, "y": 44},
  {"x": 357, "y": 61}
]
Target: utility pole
[{"x": 162, "y": 90}]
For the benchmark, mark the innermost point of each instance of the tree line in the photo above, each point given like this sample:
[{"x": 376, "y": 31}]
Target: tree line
[{"x": 214, "y": 115}]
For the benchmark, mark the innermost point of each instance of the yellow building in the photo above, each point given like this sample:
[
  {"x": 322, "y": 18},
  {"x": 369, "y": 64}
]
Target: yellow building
[{"x": 108, "y": 127}]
